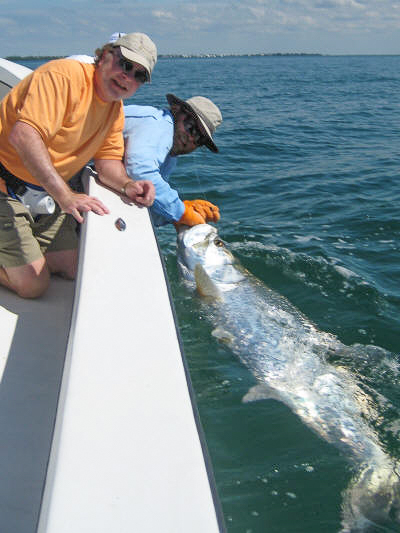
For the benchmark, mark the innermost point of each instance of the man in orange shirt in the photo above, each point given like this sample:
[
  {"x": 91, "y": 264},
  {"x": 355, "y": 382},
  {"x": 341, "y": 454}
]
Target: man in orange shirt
[{"x": 51, "y": 124}]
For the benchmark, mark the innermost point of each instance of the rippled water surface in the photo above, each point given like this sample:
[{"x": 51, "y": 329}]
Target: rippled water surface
[{"x": 307, "y": 185}]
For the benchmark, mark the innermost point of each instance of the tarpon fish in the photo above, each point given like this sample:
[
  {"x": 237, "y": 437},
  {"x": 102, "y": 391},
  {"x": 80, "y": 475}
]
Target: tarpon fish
[{"x": 288, "y": 356}]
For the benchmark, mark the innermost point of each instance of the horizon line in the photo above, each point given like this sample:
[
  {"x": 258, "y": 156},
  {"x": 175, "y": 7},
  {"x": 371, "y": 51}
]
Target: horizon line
[{"x": 216, "y": 55}]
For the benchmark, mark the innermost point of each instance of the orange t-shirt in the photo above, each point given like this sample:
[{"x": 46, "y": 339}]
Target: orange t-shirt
[{"x": 59, "y": 100}]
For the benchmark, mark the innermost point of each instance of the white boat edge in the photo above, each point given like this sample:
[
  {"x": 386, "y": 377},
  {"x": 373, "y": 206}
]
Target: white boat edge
[
  {"x": 127, "y": 448},
  {"x": 10, "y": 74}
]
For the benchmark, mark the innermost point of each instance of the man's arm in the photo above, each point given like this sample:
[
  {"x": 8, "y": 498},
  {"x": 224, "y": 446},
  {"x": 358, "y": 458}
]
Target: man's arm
[
  {"x": 148, "y": 139},
  {"x": 33, "y": 152},
  {"x": 113, "y": 174}
]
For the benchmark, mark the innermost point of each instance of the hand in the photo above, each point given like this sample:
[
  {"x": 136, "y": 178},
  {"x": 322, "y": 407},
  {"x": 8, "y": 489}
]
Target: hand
[
  {"x": 142, "y": 192},
  {"x": 76, "y": 203},
  {"x": 198, "y": 212},
  {"x": 207, "y": 210}
]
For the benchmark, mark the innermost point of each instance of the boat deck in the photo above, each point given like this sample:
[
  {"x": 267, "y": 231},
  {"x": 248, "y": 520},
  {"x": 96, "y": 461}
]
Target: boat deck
[{"x": 34, "y": 337}]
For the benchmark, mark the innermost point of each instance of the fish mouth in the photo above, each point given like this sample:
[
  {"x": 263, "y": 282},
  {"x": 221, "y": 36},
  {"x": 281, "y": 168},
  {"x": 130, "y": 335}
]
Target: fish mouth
[
  {"x": 190, "y": 240},
  {"x": 192, "y": 235},
  {"x": 200, "y": 245}
]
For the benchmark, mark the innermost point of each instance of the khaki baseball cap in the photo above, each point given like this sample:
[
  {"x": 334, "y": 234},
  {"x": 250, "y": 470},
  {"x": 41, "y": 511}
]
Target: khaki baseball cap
[
  {"x": 206, "y": 114},
  {"x": 138, "y": 47}
]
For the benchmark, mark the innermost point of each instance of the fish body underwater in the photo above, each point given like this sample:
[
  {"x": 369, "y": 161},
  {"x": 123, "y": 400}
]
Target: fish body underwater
[{"x": 288, "y": 356}]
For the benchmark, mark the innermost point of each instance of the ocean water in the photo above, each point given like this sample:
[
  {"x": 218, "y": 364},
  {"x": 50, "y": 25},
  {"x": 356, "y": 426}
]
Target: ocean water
[{"x": 307, "y": 185}]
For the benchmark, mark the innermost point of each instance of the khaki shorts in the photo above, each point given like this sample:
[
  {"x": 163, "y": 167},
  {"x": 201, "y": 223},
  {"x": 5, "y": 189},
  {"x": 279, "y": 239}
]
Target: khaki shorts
[{"x": 24, "y": 240}]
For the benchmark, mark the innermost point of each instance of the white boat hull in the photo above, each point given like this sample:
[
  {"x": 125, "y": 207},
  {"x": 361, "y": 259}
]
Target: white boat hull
[{"x": 127, "y": 455}]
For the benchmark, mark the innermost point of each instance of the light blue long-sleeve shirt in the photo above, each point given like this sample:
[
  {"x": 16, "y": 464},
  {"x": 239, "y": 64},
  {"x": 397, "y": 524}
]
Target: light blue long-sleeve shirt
[{"x": 148, "y": 135}]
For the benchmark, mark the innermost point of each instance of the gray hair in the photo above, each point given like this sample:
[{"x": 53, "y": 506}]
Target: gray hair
[{"x": 101, "y": 51}]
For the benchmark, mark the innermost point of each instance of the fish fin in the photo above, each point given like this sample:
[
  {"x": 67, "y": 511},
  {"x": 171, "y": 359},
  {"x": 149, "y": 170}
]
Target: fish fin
[
  {"x": 204, "y": 284},
  {"x": 260, "y": 392},
  {"x": 222, "y": 335}
]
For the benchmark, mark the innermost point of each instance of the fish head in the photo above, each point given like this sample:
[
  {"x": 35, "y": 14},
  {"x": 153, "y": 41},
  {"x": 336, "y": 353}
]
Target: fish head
[{"x": 201, "y": 245}]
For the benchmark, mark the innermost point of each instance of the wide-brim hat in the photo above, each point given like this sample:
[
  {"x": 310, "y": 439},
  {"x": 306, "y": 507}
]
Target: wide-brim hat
[
  {"x": 138, "y": 47},
  {"x": 206, "y": 114}
]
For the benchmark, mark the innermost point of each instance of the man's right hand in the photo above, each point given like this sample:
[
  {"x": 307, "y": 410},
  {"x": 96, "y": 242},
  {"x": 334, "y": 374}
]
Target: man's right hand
[
  {"x": 207, "y": 210},
  {"x": 77, "y": 203},
  {"x": 198, "y": 212},
  {"x": 142, "y": 192}
]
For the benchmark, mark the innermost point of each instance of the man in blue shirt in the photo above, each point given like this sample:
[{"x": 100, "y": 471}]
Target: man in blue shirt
[{"x": 153, "y": 140}]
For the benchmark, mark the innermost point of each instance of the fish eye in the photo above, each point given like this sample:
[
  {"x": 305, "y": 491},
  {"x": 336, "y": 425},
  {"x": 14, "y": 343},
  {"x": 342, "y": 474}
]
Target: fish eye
[{"x": 219, "y": 243}]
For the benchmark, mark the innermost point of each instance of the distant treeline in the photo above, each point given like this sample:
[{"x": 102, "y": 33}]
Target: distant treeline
[
  {"x": 41, "y": 58},
  {"x": 162, "y": 56}
]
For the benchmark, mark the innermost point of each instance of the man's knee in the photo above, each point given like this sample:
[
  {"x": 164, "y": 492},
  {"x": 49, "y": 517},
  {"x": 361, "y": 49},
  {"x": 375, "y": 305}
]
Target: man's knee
[
  {"x": 32, "y": 288},
  {"x": 64, "y": 263},
  {"x": 28, "y": 281}
]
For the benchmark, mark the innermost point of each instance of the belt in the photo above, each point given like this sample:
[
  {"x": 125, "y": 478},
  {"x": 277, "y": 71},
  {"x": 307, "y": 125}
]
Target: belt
[{"x": 14, "y": 184}]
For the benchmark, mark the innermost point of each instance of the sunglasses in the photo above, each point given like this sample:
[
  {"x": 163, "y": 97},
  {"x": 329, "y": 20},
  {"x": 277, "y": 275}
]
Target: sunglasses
[
  {"x": 192, "y": 129},
  {"x": 140, "y": 76}
]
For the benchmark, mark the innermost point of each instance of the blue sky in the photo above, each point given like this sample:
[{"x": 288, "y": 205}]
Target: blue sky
[{"x": 44, "y": 27}]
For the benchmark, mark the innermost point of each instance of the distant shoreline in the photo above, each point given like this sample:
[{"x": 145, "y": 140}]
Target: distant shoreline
[
  {"x": 178, "y": 56},
  {"x": 210, "y": 56}
]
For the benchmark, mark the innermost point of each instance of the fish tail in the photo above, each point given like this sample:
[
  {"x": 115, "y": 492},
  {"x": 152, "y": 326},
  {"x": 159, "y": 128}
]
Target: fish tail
[{"x": 372, "y": 500}]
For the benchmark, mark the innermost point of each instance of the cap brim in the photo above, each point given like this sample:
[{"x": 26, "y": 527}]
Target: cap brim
[
  {"x": 132, "y": 56},
  {"x": 174, "y": 100}
]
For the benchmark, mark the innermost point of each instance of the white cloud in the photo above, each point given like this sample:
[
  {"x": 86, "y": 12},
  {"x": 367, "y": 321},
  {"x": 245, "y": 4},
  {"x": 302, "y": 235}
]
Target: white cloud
[
  {"x": 332, "y": 4},
  {"x": 163, "y": 14},
  {"x": 240, "y": 26}
]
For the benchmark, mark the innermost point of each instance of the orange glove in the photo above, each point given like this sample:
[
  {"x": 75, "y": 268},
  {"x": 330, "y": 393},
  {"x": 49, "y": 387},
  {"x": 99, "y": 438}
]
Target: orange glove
[
  {"x": 198, "y": 212},
  {"x": 207, "y": 210}
]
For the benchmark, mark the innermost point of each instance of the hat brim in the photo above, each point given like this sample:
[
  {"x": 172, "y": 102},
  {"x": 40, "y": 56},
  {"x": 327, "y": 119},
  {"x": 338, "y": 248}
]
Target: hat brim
[
  {"x": 174, "y": 100},
  {"x": 132, "y": 56}
]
